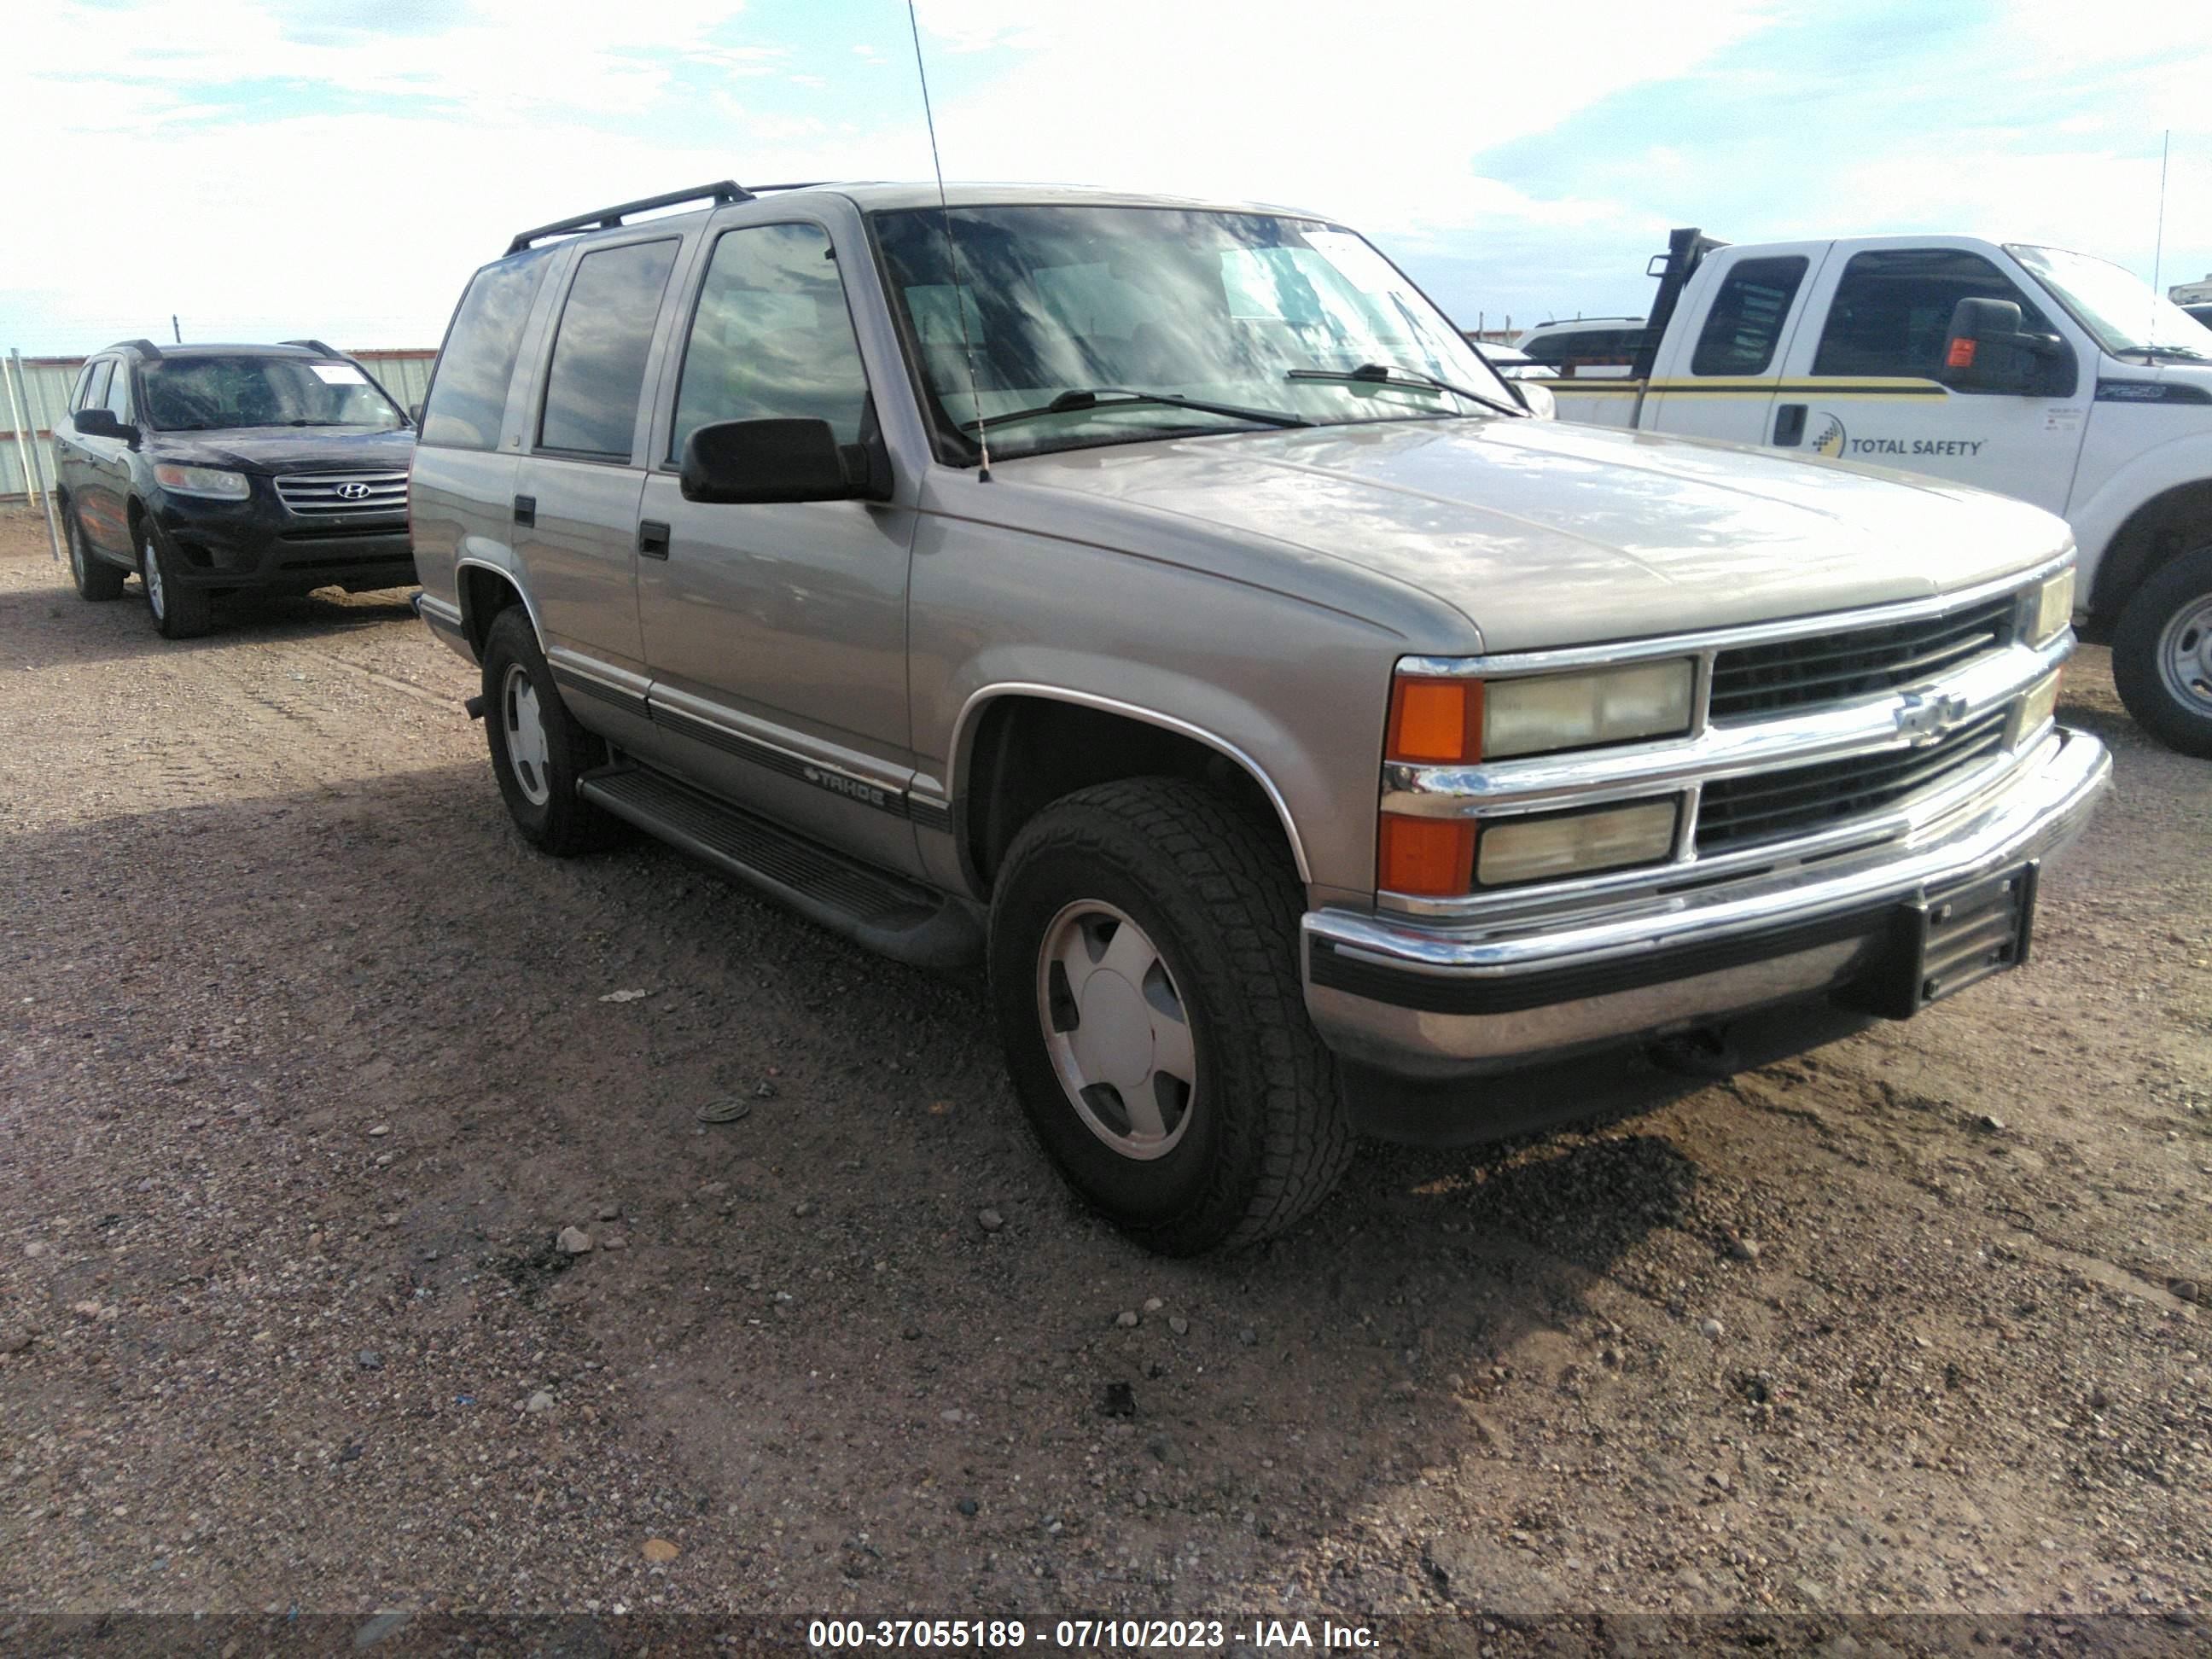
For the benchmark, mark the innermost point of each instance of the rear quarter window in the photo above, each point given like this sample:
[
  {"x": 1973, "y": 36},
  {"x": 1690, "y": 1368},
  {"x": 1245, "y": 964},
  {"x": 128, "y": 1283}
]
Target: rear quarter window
[
  {"x": 468, "y": 388},
  {"x": 1745, "y": 325}
]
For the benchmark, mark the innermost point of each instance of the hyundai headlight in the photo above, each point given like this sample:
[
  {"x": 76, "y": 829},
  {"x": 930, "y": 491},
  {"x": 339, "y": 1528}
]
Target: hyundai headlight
[{"x": 212, "y": 482}]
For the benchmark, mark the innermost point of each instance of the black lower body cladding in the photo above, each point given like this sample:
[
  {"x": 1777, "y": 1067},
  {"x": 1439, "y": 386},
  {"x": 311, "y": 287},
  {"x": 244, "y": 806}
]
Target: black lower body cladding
[{"x": 238, "y": 547}]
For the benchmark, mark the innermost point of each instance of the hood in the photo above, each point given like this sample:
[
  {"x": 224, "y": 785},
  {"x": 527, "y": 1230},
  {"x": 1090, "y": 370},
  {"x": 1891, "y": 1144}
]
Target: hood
[
  {"x": 1546, "y": 534},
  {"x": 269, "y": 449}
]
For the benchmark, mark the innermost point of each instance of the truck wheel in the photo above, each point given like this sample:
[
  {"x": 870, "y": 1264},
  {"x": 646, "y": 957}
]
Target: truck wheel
[
  {"x": 180, "y": 611},
  {"x": 1144, "y": 971},
  {"x": 96, "y": 579},
  {"x": 538, "y": 749},
  {"x": 2162, "y": 654}
]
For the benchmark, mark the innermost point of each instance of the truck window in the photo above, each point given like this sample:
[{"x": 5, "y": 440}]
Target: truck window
[
  {"x": 772, "y": 338},
  {"x": 1745, "y": 325},
  {"x": 597, "y": 370},
  {"x": 96, "y": 386},
  {"x": 467, "y": 399},
  {"x": 83, "y": 382},
  {"x": 1892, "y": 308}
]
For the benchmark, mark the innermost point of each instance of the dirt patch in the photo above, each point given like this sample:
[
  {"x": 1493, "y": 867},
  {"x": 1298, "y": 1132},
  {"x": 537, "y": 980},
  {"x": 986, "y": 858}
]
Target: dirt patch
[{"x": 1819, "y": 1338}]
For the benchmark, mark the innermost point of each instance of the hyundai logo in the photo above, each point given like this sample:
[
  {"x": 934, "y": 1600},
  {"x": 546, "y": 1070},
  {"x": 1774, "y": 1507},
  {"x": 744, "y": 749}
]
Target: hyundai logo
[{"x": 352, "y": 492}]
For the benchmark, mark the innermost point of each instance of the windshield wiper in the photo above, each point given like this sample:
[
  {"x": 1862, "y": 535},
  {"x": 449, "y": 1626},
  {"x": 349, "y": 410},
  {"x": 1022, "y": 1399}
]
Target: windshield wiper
[
  {"x": 1115, "y": 397},
  {"x": 1394, "y": 374}
]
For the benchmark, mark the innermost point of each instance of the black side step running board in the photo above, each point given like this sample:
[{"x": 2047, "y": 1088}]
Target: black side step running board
[{"x": 900, "y": 919}]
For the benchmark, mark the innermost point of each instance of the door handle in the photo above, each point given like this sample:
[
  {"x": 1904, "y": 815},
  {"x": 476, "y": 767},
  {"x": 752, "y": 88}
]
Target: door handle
[
  {"x": 526, "y": 509},
  {"x": 1790, "y": 425},
  {"x": 652, "y": 538}
]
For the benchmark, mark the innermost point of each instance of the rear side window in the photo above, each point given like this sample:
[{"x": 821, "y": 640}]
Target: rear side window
[
  {"x": 1745, "y": 325},
  {"x": 772, "y": 338},
  {"x": 597, "y": 371},
  {"x": 1892, "y": 308},
  {"x": 468, "y": 388}
]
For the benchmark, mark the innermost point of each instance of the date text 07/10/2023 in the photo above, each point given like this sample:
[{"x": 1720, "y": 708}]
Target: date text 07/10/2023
[{"x": 1094, "y": 1635}]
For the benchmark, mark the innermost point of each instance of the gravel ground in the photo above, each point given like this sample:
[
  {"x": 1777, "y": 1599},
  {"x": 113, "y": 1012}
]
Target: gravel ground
[{"x": 306, "y": 1061}]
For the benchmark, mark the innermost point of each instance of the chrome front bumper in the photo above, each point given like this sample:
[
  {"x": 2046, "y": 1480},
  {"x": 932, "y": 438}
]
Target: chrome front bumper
[{"x": 1426, "y": 998}]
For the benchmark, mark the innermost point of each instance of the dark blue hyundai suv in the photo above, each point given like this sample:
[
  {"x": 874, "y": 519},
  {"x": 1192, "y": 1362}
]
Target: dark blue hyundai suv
[{"x": 209, "y": 470}]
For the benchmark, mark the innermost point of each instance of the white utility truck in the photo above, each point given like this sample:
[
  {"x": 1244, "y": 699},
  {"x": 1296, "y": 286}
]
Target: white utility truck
[{"x": 2052, "y": 376}]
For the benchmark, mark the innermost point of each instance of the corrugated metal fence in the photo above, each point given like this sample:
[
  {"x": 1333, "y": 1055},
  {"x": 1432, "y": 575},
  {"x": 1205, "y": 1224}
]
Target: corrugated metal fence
[{"x": 44, "y": 396}]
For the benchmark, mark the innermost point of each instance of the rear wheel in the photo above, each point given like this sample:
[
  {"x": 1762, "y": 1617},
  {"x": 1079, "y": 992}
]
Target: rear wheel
[
  {"x": 1144, "y": 976},
  {"x": 96, "y": 580},
  {"x": 180, "y": 611},
  {"x": 2162, "y": 654},
  {"x": 538, "y": 752}
]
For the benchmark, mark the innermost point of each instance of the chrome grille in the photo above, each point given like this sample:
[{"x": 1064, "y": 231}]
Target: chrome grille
[
  {"x": 1798, "y": 800},
  {"x": 345, "y": 495},
  {"x": 1753, "y": 680}
]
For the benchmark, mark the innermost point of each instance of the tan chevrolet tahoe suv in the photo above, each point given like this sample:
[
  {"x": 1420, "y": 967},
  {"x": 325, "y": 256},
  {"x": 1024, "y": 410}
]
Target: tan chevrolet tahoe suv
[{"x": 1309, "y": 742}]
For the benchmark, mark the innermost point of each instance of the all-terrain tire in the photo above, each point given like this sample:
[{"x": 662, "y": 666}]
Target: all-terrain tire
[
  {"x": 2162, "y": 654},
  {"x": 1264, "y": 1133},
  {"x": 537, "y": 779}
]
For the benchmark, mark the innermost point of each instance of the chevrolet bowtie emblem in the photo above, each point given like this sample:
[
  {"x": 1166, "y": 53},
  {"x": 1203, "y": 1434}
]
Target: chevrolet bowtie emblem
[{"x": 1924, "y": 720}]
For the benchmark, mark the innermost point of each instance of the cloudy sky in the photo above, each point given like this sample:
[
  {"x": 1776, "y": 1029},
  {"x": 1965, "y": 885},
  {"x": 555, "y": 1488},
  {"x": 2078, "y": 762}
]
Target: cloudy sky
[{"x": 337, "y": 167}]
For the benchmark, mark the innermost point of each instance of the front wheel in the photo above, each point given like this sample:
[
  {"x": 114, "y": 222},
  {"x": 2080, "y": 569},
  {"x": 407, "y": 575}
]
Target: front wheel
[
  {"x": 2162, "y": 654},
  {"x": 180, "y": 610},
  {"x": 1143, "y": 973},
  {"x": 538, "y": 752}
]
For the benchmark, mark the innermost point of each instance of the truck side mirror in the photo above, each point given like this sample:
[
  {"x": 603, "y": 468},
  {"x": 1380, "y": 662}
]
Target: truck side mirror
[
  {"x": 1987, "y": 350},
  {"x": 779, "y": 460},
  {"x": 102, "y": 423},
  {"x": 414, "y": 415}
]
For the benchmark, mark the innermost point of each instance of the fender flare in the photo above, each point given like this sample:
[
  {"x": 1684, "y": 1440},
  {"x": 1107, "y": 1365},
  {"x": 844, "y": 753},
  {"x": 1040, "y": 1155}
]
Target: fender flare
[{"x": 981, "y": 700}]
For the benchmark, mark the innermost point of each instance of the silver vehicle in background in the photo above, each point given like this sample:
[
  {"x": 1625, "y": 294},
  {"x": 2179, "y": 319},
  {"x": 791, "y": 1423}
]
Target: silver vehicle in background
[{"x": 1159, "y": 602}]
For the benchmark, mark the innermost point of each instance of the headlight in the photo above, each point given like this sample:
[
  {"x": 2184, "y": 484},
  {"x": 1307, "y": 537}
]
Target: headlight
[
  {"x": 2035, "y": 710},
  {"x": 1575, "y": 711},
  {"x": 210, "y": 480},
  {"x": 1559, "y": 844},
  {"x": 2051, "y": 607}
]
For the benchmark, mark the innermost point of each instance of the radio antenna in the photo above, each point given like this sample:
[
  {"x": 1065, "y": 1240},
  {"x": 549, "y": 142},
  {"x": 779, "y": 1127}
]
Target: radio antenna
[
  {"x": 2158, "y": 253},
  {"x": 951, "y": 257}
]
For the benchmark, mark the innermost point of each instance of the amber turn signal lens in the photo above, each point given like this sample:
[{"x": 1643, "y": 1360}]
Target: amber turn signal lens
[
  {"x": 1432, "y": 857},
  {"x": 1435, "y": 721}
]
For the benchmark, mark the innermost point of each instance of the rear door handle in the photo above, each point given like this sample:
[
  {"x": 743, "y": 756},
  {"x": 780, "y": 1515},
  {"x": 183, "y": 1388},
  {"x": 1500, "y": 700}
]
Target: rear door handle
[
  {"x": 652, "y": 538},
  {"x": 1790, "y": 425},
  {"x": 526, "y": 509}
]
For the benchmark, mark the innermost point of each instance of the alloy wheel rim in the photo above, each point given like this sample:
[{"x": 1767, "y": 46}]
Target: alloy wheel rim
[
  {"x": 1117, "y": 1029},
  {"x": 76, "y": 552},
  {"x": 2185, "y": 655},
  {"x": 152, "y": 573},
  {"x": 524, "y": 725}
]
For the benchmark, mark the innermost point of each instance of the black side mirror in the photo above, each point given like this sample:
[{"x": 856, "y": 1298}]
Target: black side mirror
[
  {"x": 1987, "y": 350},
  {"x": 781, "y": 460},
  {"x": 414, "y": 415},
  {"x": 102, "y": 423}
]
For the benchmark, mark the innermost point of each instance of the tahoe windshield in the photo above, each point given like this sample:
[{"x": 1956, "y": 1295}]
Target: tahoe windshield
[
  {"x": 2122, "y": 311},
  {"x": 205, "y": 394},
  {"x": 1101, "y": 324}
]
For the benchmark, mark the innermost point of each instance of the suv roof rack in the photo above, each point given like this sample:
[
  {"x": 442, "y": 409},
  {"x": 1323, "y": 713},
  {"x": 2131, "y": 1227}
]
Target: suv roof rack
[
  {"x": 721, "y": 193},
  {"x": 314, "y": 345},
  {"x": 144, "y": 347}
]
